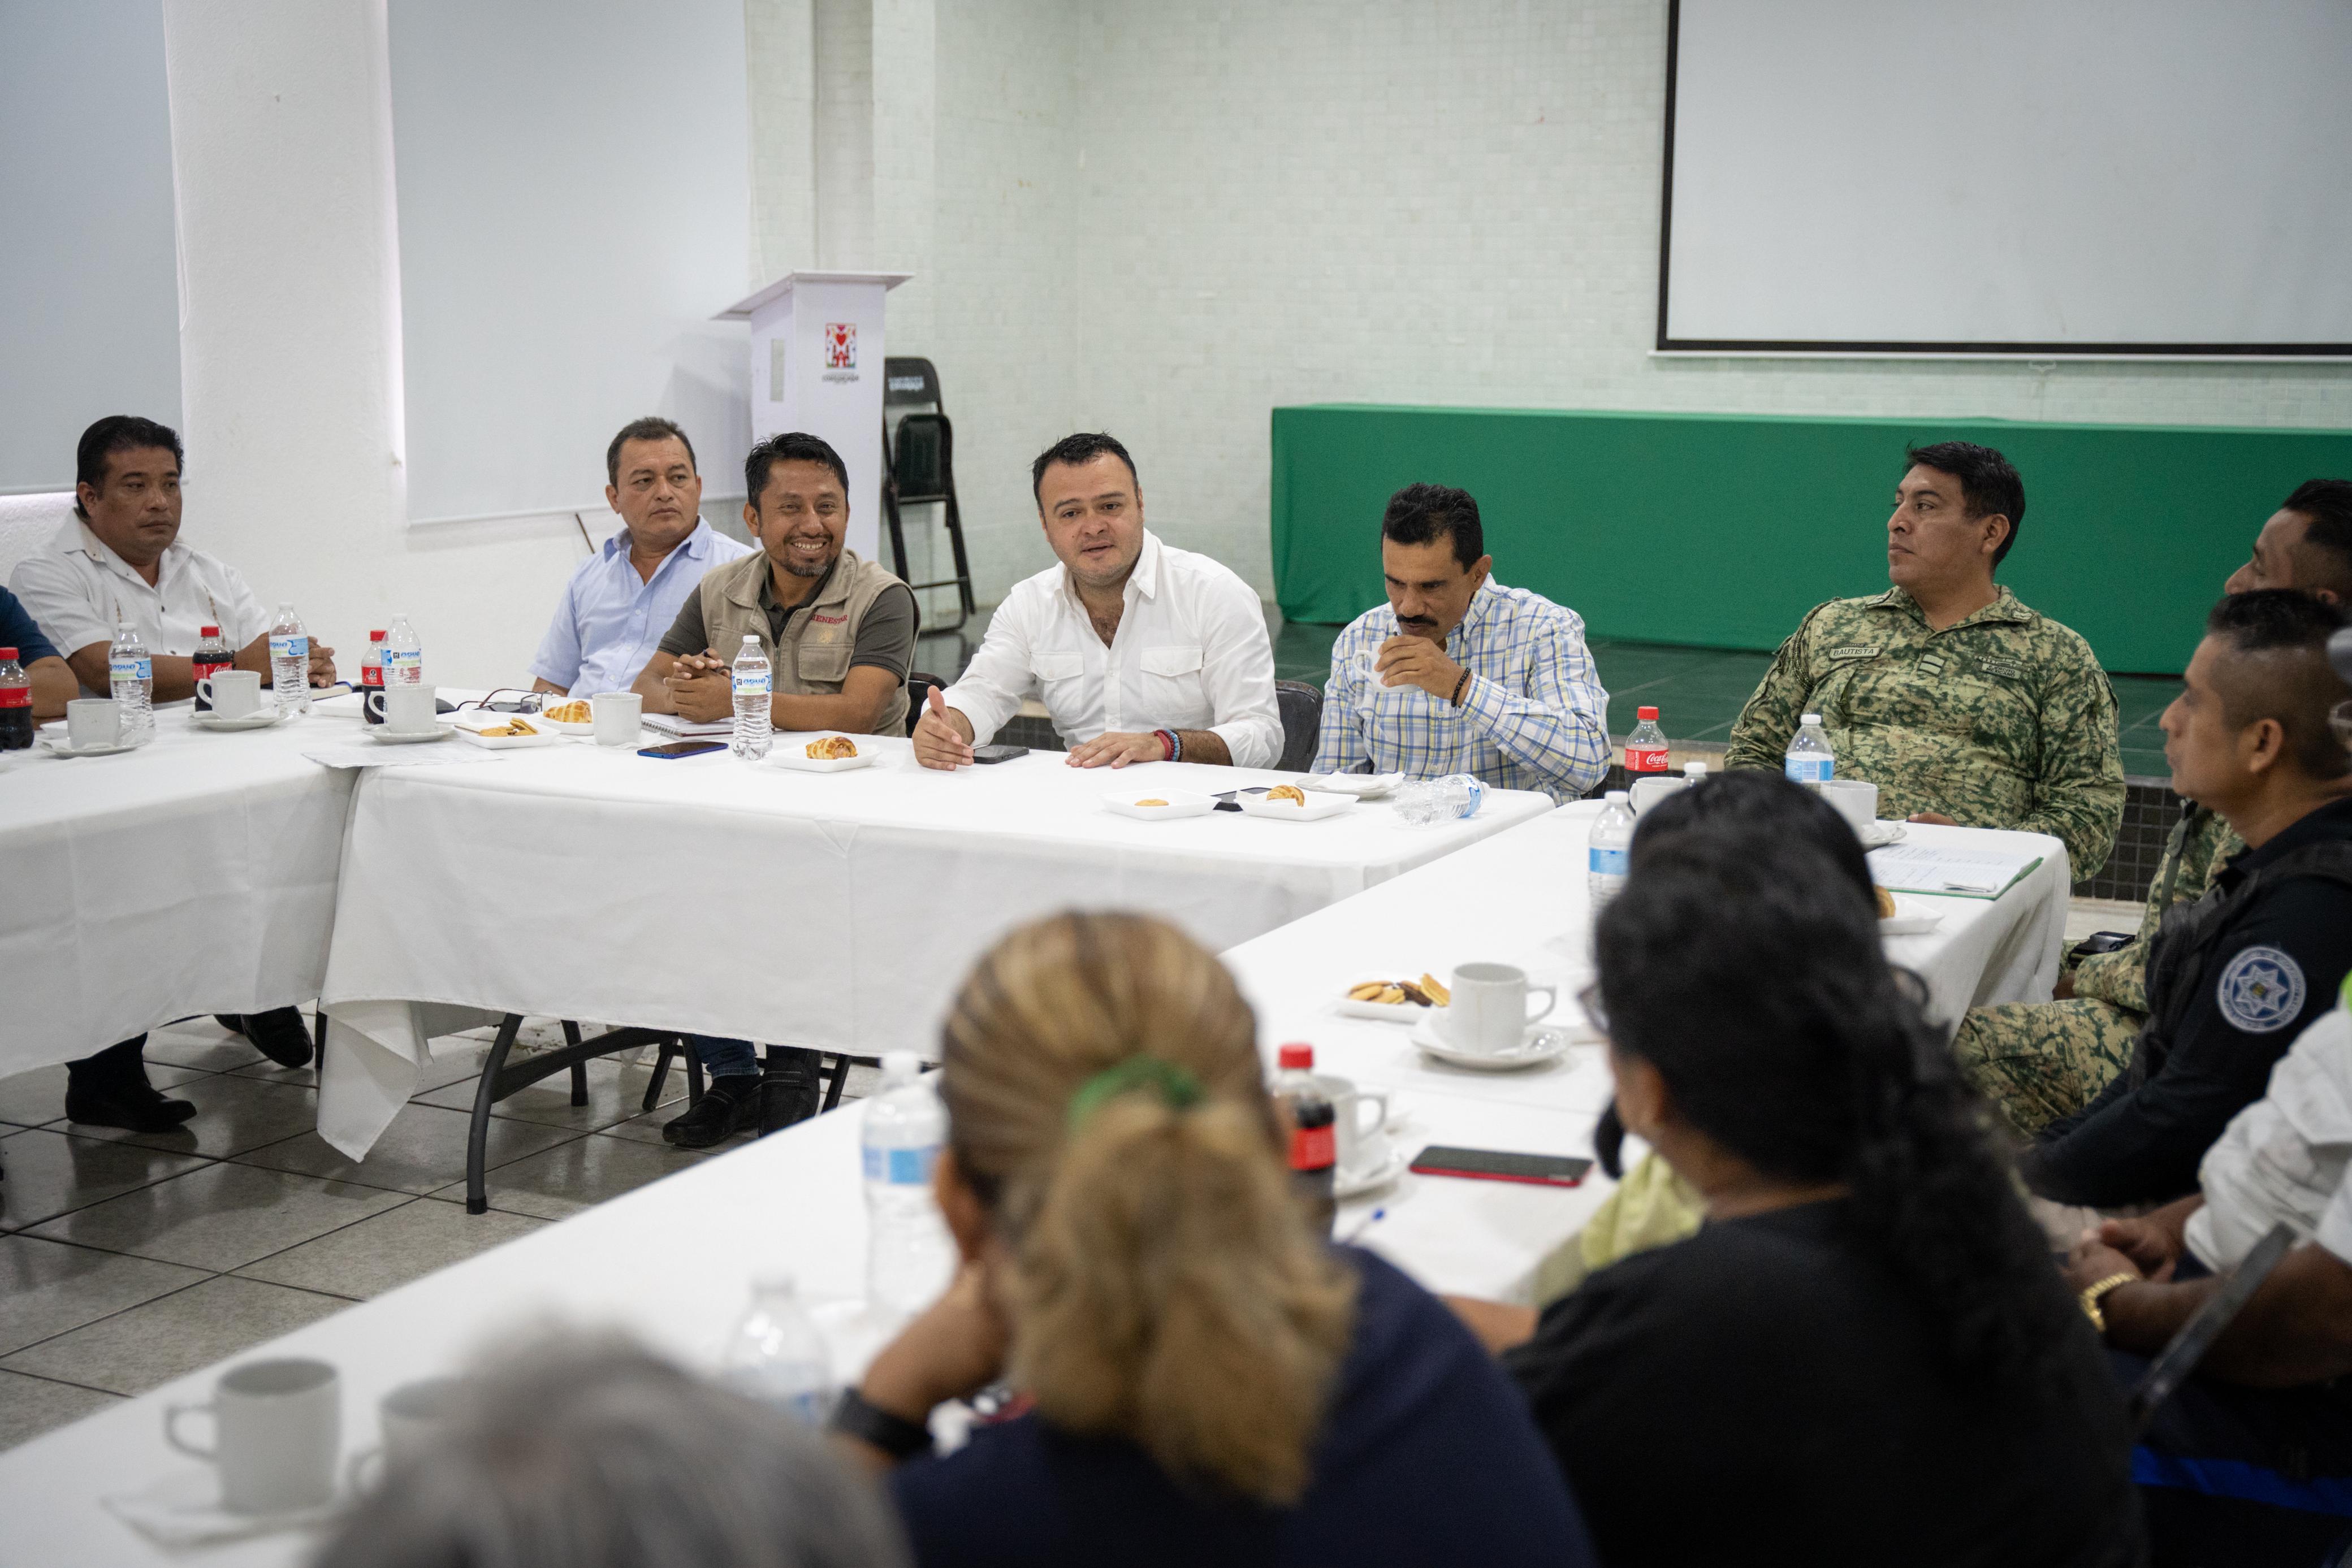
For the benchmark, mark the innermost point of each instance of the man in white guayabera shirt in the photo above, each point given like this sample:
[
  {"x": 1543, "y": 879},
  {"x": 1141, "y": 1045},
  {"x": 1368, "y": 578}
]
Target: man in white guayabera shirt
[{"x": 1141, "y": 652}]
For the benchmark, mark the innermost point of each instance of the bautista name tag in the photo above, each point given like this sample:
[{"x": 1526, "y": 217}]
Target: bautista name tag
[{"x": 1855, "y": 651}]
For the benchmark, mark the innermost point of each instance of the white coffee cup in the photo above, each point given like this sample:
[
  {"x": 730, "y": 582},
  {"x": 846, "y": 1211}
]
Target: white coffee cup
[
  {"x": 234, "y": 694},
  {"x": 1856, "y": 800},
  {"x": 276, "y": 1429},
  {"x": 93, "y": 721},
  {"x": 1362, "y": 1141},
  {"x": 1489, "y": 1012},
  {"x": 1647, "y": 792},
  {"x": 405, "y": 710},
  {"x": 415, "y": 1419},
  {"x": 619, "y": 717}
]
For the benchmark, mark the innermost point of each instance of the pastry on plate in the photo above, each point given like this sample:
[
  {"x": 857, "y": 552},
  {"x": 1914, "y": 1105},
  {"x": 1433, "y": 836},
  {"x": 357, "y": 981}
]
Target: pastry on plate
[
  {"x": 831, "y": 748},
  {"x": 574, "y": 712},
  {"x": 511, "y": 727},
  {"x": 1885, "y": 902},
  {"x": 1152, "y": 802},
  {"x": 1286, "y": 792},
  {"x": 1424, "y": 992}
]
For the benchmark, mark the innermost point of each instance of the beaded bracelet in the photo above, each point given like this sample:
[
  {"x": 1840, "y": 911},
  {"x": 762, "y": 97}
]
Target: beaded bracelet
[
  {"x": 1175, "y": 744},
  {"x": 1459, "y": 687}
]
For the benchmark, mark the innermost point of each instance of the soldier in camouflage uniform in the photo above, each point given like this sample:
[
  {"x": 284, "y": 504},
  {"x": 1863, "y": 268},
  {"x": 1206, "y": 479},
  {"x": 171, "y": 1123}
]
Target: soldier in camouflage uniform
[
  {"x": 1960, "y": 703},
  {"x": 2041, "y": 1060}
]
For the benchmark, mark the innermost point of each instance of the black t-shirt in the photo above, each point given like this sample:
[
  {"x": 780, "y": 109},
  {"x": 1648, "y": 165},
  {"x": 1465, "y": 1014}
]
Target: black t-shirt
[
  {"x": 1767, "y": 1392},
  {"x": 1428, "y": 1457},
  {"x": 2276, "y": 968}
]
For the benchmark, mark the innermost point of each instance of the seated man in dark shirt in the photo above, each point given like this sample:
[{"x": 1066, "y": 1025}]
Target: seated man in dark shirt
[
  {"x": 1862, "y": 1356},
  {"x": 54, "y": 683},
  {"x": 2234, "y": 978}
]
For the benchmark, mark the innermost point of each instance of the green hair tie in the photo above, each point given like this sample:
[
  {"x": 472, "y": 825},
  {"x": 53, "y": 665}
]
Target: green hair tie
[{"x": 1176, "y": 1085}]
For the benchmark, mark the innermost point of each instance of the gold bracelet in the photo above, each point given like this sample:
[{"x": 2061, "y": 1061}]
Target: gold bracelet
[{"x": 2093, "y": 1293}]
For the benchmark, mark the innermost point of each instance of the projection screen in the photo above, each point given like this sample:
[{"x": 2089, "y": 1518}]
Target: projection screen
[{"x": 2101, "y": 177}]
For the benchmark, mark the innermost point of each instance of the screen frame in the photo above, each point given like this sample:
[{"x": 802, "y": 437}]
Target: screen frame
[{"x": 1666, "y": 344}]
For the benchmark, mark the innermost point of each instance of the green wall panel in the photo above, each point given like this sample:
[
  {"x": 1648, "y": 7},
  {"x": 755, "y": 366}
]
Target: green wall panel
[{"x": 1721, "y": 530}]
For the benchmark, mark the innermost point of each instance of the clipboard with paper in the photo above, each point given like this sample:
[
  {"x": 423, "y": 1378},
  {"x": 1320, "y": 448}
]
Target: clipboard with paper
[{"x": 1947, "y": 870}]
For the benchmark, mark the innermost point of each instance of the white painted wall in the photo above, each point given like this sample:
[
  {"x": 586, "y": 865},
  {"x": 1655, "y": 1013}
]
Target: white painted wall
[
  {"x": 1166, "y": 219},
  {"x": 290, "y": 342}
]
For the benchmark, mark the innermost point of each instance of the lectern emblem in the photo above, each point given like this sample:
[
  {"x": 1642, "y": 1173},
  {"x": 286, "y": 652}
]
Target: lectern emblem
[{"x": 841, "y": 345}]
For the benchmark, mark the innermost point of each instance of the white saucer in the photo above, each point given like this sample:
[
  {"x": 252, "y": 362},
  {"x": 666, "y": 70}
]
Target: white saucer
[
  {"x": 250, "y": 721},
  {"x": 1878, "y": 835},
  {"x": 1362, "y": 785},
  {"x": 1541, "y": 1044},
  {"x": 1346, "y": 1184},
  {"x": 390, "y": 737},
  {"x": 67, "y": 748}
]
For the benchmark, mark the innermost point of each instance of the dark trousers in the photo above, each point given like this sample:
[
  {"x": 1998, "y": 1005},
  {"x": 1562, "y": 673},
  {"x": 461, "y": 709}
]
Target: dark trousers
[
  {"x": 2244, "y": 1476},
  {"x": 725, "y": 1058}
]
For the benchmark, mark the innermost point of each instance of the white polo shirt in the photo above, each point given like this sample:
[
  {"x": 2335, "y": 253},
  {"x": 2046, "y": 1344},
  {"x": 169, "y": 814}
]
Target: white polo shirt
[
  {"x": 78, "y": 589},
  {"x": 2287, "y": 1156},
  {"x": 1191, "y": 653}
]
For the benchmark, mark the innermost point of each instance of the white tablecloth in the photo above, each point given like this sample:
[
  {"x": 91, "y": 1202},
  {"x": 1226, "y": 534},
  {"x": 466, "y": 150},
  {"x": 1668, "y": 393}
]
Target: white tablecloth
[
  {"x": 1519, "y": 898},
  {"x": 674, "y": 1261},
  {"x": 195, "y": 874},
  {"x": 835, "y": 910}
]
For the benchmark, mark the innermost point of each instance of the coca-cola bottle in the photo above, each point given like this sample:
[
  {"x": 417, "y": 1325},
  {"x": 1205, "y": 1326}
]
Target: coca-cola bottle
[
  {"x": 212, "y": 656},
  {"x": 372, "y": 677},
  {"x": 15, "y": 704}
]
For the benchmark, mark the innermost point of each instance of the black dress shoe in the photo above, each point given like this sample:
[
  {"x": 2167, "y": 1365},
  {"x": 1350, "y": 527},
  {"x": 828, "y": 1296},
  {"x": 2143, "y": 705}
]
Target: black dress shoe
[
  {"x": 728, "y": 1106},
  {"x": 786, "y": 1098},
  {"x": 130, "y": 1105},
  {"x": 279, "y": 1035},
  {"x": 229, "y": 1021}
]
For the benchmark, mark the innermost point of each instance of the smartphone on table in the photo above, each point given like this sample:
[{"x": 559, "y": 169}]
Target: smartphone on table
[
  {"x": 998, "y": 753},
  {"x": 683, "y": 748},
  {"x": 1495, "y": 1164}
]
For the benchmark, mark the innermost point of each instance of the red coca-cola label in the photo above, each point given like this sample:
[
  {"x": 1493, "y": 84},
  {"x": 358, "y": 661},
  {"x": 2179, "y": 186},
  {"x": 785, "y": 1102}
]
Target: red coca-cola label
[
  {"x": 371, "y": 675},
  {"x": 202, "y": 669},
  {"x": 16, "y": 695},
  {"x": 1646, "y": 759},
  {"x": 1312, "y": 1149}
]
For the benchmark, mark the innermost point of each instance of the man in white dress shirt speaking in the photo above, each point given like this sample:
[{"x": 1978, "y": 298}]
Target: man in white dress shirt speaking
[
  {"x": 621, "y": 598},
  {"x": 1142, "y": 652}
]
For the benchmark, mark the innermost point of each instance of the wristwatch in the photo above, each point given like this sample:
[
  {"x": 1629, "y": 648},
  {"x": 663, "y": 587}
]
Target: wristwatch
[
  {"x": 2093, "y": 1293},
  {"x": 894, "y": 1435}
]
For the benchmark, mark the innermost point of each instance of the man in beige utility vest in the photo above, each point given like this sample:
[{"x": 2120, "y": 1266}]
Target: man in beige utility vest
[{"x": 839, "y": 634}]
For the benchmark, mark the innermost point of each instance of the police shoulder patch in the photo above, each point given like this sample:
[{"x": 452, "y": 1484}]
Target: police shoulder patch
[{"x": 2262, "y": 990}]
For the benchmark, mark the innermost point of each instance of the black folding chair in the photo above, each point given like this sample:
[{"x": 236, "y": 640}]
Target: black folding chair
[
  {"x": 1301, "y": 707},
  {"x": 919, "y": 469}
]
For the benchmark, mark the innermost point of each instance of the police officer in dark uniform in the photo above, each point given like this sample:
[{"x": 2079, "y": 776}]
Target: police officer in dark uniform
[{"x": 2234, "y": 978}]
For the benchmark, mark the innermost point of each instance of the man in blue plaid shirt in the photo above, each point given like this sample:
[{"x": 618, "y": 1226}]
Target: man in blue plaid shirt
[{"x": 1457, "y": 674}]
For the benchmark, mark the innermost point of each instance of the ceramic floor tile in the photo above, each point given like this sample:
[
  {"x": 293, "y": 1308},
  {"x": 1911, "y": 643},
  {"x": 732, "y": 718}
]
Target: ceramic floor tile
[
  {"x": 51, "y": 1173},
  {"x": 220, "y": 1217},
  {"x": 233, "y": 1114},
  {"x": 37, "y": 1098},
  {"x": 578, "y": 1175},
  {"x": 47, "y": 1288},
  {"x": 616, "y": 1090},
  {"x": 391, "y": 1249},
  {"x": 133, "y": 1351},
  {"x": 424, "y": 1148},
  {"x": 32, "y": 1405}
]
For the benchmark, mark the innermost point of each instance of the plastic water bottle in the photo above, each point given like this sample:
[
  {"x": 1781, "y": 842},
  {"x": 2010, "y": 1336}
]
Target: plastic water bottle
[
  {"x": 15, "y": 704},
  {"x": 752, "y": 690},
  {"x": 1694, "y": 773},
  {"x": 290, "y": 662},
  {"x": 777, "y": 1356},
  {"x": 1440, "y": 800},
  {"x": 1810, "y": 761},
  {"x": 1610, "y": 846},
  {"x": 403, "y": 654},
  {"x": 372, "y": 677},
  {"x": 213, "y": 655},
  {"x": 1645, "y": 749},
  {"x": 132, "y": 673},
  {"x": 910, "y": 1257}
]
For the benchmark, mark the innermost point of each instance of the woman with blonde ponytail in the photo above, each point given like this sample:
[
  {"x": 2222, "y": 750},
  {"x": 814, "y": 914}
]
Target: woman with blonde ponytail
[{"x": 1201, "y": 1378}]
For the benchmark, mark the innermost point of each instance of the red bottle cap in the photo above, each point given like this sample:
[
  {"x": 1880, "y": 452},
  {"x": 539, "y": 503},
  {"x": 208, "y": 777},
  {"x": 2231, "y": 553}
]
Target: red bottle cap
[
  {"x": 212, "y": 631},
  {"x": 1299, "y": 1056},
  {"x": 9, "y": 654},
  {"x": 1646, "y": 715},
  {"x": 376, "y": 636}
]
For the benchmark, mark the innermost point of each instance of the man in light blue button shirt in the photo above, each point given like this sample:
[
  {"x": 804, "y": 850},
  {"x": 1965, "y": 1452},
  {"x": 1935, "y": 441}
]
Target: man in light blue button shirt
[{"x": 621, "y": 598}]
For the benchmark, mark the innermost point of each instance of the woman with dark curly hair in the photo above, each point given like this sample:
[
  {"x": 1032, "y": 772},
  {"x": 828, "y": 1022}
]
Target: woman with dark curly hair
[{"x": 1863, "y": 1355}]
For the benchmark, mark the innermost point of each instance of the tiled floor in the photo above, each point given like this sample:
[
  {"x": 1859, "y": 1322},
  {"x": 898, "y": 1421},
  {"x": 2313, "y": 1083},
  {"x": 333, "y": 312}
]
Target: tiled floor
[{"x": 128, "y": 1259}]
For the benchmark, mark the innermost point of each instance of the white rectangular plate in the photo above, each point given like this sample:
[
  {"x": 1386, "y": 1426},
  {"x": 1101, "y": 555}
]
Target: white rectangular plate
[
  {"x": 1181, "y": 803},
  {"x": 794, "y": 754},
  {"x": 1362, "y": 785},
  {"x": 1319, "y": 806},
  {"x": 561, "y": 726},
  {"x": 1386, "y": 1012},
  {"x": 1911, "y": 916}
]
